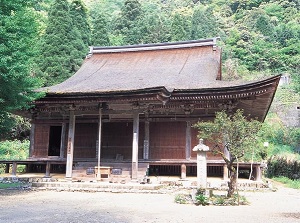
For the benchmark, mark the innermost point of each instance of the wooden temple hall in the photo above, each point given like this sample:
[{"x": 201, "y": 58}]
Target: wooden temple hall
[{"x": 131, "y": 109}]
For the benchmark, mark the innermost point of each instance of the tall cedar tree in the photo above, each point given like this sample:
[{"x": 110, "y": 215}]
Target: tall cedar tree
[
  {"x": 80, "y": 21},
  {"x": 62, "y": 45},
  {"x": 18, "y": 33},
  {"x": 99, "y": 30},
  {"x": 82, "y": 39},
  {"x": 127, "y": 24}
]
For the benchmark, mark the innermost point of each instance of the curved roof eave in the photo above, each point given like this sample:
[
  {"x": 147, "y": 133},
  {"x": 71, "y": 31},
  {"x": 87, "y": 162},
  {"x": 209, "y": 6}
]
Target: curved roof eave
[{"x": 219, "y": 86}]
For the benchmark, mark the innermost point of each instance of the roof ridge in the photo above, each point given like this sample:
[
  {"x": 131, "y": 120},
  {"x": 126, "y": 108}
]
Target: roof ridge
[{"x": 154, "y": 46}]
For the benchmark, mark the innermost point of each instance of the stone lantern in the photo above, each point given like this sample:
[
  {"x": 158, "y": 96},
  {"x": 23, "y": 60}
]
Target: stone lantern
[{"x": 201, "y": 150}]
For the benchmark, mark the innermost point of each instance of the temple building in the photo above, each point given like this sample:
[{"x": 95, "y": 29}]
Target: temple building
[{"x": 131, "y": 110}]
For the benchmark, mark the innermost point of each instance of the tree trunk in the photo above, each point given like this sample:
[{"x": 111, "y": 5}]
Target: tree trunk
[{"x": 231, "y": 183}]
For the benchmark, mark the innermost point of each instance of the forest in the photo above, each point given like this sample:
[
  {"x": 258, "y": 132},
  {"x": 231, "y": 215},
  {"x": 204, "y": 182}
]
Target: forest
[{"x": 43, "y": 42}]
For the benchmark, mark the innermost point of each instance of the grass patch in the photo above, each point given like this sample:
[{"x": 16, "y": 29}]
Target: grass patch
[
  {"x": 183, "y": 199},
  {"x": 288, "y": 182},
  {"x": 221, "y": 200},
  {"x": 10, "y": 185}
]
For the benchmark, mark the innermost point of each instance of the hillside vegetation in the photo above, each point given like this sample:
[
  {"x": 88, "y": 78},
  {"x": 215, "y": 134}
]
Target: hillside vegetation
[{"x": 44, "y": 42}]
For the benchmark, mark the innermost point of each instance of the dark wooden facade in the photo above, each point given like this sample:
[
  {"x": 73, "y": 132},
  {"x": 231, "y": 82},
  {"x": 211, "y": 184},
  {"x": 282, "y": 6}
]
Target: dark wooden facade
[{"x": 140, "y": 103}]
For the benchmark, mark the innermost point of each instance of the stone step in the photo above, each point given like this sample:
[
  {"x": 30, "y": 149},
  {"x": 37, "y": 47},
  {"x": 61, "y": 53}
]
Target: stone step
[{"x": 98, "y": 187}]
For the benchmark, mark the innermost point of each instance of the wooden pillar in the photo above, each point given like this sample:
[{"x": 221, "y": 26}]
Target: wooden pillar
[
  {"x": 188, "y": 140},
  {"x": 7, "y": 168},
  {"x": 183, "y": 171},
  {"x": 31, "y": 138},
  {"x": 146, "y": 141},
  {"x": 225, "y": 172},
  {"x": 62, "y": 140},
  {"x": 98, "y": 174},
  {"x": 135, "y": 146},
  {"x": 14, "y": 169},
  {"x": 48, "y": 167},
  {"x": 70, "y": 148}
]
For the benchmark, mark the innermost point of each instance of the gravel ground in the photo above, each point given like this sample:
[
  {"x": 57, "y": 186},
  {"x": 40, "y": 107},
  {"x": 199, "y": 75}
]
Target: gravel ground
[{"x": 51, "y": 206}]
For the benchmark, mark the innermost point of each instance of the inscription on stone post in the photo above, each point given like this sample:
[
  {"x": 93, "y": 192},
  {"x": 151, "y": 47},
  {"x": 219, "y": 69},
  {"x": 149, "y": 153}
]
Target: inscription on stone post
[{"x": 201, "y": 150}]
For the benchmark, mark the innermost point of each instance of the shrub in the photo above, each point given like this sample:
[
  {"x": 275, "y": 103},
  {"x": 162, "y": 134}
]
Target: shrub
[
  {"x": 14, "y": 150},
  {"x": 200, "y": 198},
  {"x": 183, "y": 198},
  {"x": 219, "y": 200},
  {"x": 284, "y": 166}
]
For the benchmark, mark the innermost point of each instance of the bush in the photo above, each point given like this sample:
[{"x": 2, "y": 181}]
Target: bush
[
  {"x": 284, "y": 166},
  {"x": 183, "y": 198},
  {"x": 217, "y": 200},
  {"x": 14, "y": 150},
  {"x": 222, "y": 200},
  {"x": 200, "y": 198}
]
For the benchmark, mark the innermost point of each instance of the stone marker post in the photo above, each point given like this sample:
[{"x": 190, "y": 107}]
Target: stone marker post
[{"x": 201, "y": 150}]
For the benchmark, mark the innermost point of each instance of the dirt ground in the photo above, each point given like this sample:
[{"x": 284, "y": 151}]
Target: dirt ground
[{"x": 52, "y": 206}]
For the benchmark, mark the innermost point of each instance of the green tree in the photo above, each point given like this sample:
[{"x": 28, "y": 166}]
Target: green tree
[
  {"x": 181, "y": 25},
  {"x": 18, "y": 35},
  {"x": 80, "y": 20},
  {"x": 155, "y": 23},
  {"x": 296, "y": 82},
  {"x": 81, "y": 34},
  {"x": 61, "y": 46},
  {"x": 127, "y": 22},
  {"x": 233, "y": 136},
  {"x": 99, "y": 30},
  {"x": 204, "y": 24}
]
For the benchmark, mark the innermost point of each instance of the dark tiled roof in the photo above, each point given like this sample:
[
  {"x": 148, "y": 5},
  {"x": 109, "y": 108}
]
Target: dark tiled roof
[{"x": 174, "y": 66}]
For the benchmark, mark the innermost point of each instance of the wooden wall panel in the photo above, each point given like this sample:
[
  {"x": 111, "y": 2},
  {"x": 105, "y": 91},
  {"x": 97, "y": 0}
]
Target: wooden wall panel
[
  {"x": 117, "y": 139},
  {"x": 167, "y": 140},
  {"x": 86, "y": 136},
  {"x": 41, "y": 140}
]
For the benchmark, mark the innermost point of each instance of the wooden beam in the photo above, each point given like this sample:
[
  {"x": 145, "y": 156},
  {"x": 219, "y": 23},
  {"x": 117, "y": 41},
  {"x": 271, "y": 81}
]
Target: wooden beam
[
  {"x": 135, "y": 146},
  {"x": 188, "y": 140},
  {"x": 70, "y": 148},
  {"x": 31, "y": 138},
  {"x": 62, "y": 140},
  {"x": 99, "y": 144},
  {"x": 146, "y": 141}
]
